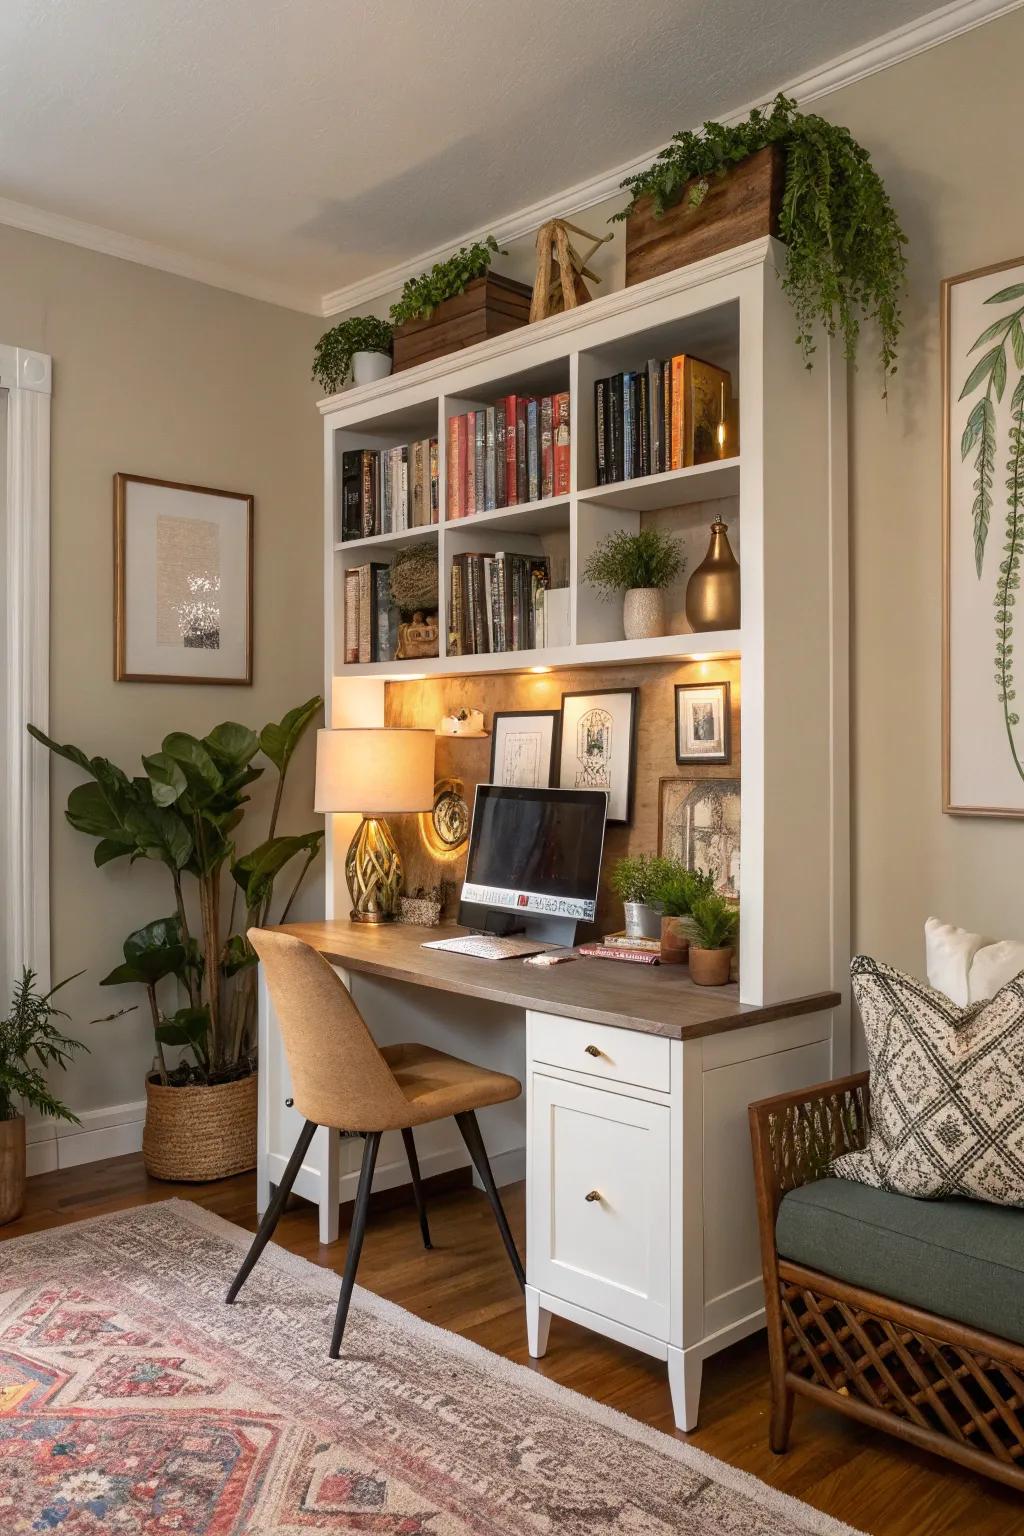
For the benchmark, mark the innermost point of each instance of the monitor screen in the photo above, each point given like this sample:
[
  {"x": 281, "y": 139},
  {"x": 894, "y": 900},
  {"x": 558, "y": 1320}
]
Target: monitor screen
[{"x": 536, "y": 850}]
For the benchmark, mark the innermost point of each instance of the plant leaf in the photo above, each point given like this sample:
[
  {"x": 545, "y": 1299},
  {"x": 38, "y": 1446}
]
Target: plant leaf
[
  {"x": 166, "y": 777},
  {"x": 1015, "y": 291},
  {"x": 981, "y": 369},
  {"x": 231, "y": 745},
  {"x": 278, "y": 742},
  {"x": 203, "y": 776},
  {"x": 256, "y": 871}
]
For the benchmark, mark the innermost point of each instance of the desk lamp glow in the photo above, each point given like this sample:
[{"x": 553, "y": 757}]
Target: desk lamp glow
[{"x": 374, "y": 771}]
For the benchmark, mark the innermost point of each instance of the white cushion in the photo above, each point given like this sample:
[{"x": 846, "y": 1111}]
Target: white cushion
[{"x": 966, "y": 966}]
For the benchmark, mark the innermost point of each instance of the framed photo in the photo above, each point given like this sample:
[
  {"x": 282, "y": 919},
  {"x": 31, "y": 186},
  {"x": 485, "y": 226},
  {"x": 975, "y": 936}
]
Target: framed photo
[
  {"x": 983, "y": 541},
  {"x": 183, "y": 562},
  {"x": 702, "y": 723},
  {"x": 598, "y": 746},
  {"x": 699, "y": 823},
  {"x": 524, "y": 744}
]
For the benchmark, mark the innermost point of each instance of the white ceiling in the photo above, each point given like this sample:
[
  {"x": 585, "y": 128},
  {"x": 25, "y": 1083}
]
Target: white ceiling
[{"x": 307, "y": 144}]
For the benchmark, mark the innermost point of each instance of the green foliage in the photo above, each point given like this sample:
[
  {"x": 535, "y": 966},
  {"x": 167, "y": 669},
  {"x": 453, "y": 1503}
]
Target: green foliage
[
  {"x": 680, "y": 888},
  {"x": 445, "y": 280},
  {"x": 637, "y": 877},
  {"x": 845, "y": 244},
  {"x": 714, "y": 921},
  {"x": 332, "y": 358},
  {"x": 185, "y": 812},
  {"x": 30, "y": 1045},
  {"x": 624, "y": 561}
]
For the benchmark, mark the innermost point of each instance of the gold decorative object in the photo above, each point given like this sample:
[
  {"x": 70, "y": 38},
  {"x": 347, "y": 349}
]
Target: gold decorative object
[
  {"x": 558, "y": 284},
  {"x": 713, "y": 591},
  {"x": 418, "y": 638},
  {"x": 373, "y": 869}
]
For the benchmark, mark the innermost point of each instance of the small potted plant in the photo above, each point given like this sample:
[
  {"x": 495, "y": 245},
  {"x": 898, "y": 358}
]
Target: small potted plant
[
  {"x": 458, "y": 302},
  {"x": 677, "y": 892},
  {"x": 360, "y": 346},
  {"x": 713, "y": 926},
  {"x": 634, "y": 879},
  {"x": 642, "y": 565}
]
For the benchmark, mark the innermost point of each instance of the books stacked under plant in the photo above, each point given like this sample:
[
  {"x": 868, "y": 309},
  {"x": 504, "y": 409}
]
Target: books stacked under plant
[
  {"x": 501, "y": 602},
  {"x": 387, "y": 490},
  {"x": 670, "y": 413},
  {"x": 507, "y": 454}
]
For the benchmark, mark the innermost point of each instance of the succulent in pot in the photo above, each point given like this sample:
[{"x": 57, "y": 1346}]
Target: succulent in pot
[
  {"x": 677, "y": 892},
  {"x": 640, "y": 565},
  {"x": 714, "y": 923},
  {"x": 360, "y": 346}
]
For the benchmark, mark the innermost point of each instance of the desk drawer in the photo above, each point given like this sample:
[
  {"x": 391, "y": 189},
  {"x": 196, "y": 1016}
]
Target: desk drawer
[{"x": 599, "y": 1050}]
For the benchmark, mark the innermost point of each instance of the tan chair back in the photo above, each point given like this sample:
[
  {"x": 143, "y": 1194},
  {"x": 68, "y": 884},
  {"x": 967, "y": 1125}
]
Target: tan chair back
[{"x": 339, "y": 1077}]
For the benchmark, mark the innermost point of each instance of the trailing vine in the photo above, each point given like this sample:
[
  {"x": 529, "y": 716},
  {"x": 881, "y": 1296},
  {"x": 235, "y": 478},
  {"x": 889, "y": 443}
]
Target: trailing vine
[
  {"x": 1008, "y": 583},
  {"x": 845, "y": 243},
  {"x": 446, "y": 279}
]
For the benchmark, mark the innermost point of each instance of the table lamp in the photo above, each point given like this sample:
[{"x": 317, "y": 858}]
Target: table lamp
[{"x": 375, "y": 771}]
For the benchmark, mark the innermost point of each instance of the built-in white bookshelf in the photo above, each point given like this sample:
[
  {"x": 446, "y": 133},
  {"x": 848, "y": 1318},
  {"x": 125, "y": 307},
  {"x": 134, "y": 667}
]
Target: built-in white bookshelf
[{"x": 782, "y": 492}]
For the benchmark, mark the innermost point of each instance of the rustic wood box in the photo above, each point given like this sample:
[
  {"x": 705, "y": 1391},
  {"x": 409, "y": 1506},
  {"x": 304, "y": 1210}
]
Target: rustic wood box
[
  {"x": 742, "y": 205},
  {"x": 490, "y": 306}
]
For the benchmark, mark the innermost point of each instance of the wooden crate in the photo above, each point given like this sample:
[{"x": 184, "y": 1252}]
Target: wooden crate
[
  {"x": 490, "y": 306},
  {"x": 742, "y": 205}
]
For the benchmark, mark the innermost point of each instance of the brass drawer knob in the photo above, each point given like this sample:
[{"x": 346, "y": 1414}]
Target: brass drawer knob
[
  {"x": 592, "y": 1050},
  {"x": 594, "y": 1194}
]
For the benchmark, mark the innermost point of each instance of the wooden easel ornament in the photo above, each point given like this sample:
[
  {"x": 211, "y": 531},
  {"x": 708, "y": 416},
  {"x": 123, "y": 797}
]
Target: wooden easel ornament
[{"x": 558, "y": 283}]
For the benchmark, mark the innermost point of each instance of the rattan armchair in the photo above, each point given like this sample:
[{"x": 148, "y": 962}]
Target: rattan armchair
[{"x": 927, "y": 1379}]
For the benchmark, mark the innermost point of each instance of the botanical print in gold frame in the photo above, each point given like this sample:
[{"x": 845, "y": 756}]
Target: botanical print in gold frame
[
  {"x": 183, "y": 579},
  {"x": 982, "y": 321}
]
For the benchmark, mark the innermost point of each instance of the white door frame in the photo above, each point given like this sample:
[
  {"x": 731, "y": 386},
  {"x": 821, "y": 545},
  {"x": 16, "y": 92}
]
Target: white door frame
[{"x": 25, "y": 584}]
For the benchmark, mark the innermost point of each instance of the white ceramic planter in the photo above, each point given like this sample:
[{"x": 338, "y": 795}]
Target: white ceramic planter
[
  {"x": 643, "y": 613},
  {"x": 368, "y": 367}
]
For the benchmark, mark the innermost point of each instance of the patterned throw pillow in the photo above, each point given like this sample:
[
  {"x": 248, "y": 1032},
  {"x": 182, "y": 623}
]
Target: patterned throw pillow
[{"x": 947, "y": 1090}]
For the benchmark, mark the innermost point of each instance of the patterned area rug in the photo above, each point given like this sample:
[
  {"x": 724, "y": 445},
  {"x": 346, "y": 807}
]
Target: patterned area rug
[{"x": 133, "y": 1401}]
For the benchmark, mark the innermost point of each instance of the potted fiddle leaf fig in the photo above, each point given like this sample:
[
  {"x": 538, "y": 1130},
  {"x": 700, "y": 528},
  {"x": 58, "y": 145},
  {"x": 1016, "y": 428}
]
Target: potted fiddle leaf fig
[
  {"x": 360, "y": 346},
  {"x": 196, "y": 965},
  {"x": 640, "y": 565}
]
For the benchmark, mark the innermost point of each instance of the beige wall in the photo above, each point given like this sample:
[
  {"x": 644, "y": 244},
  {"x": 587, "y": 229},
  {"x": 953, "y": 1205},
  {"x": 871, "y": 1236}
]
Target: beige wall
[{"x": 159, "y": 376}]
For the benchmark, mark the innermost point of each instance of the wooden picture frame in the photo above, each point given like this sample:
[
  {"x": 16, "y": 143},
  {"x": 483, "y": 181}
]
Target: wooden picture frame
[
  {"x": 703, "y": 723},
  {"x": 574, "y": 772},
  {"x": 532, "y": 753},
  {"x": 157, "y": 572},
  {"x": 699, "y": 824},
  {"x": 982, "y": 746}
]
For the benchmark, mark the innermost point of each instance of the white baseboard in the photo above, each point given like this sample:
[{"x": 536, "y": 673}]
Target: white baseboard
[{"x": 110, "y": 1132}]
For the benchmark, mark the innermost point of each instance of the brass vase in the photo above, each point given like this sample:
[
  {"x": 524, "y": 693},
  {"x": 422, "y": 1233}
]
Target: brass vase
[{"x": 713, "y": 591}]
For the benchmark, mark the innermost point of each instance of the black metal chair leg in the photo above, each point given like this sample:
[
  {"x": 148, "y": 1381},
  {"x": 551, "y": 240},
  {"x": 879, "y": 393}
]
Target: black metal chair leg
[
  {"x": 417, "y": 1186},
  {"x": 355, "y": 1238},
  {"x": 467, "y": 1124},
  {"x": 272, "y": 1214}
]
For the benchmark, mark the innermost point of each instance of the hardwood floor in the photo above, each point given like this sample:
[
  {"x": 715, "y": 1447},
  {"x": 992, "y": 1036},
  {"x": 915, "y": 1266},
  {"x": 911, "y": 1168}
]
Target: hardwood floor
[{"x": 870, "y": 1481}]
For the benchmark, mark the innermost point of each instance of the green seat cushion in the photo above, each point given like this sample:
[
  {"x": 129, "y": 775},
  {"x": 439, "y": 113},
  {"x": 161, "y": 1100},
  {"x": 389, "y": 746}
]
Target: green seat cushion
[{"x": 961, "y": 1259}]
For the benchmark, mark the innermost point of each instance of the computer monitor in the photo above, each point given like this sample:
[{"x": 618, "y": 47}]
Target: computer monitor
[{"x": 534, "y": 861}]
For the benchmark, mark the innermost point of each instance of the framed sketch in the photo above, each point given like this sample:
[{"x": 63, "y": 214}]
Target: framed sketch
[
  {"x": 699, "y": 823},
  {"x": 523, "y": 747},
  {"x": 983, "y": 540},
  {"x": 702, "y": 723},
  {"x": 183, "y": 563},
  {"x": 598, "y": 746}
]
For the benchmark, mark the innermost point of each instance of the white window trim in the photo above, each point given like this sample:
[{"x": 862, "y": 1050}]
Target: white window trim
[{"x": 25, "y": 802}]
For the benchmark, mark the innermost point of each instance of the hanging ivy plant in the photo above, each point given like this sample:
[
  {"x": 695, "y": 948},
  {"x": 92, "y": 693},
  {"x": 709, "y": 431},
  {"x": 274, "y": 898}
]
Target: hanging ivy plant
[
  {"x": 332, "y": 357},
  {"x": 445, "y": 280},
  {"x": 845, "y": 244}
]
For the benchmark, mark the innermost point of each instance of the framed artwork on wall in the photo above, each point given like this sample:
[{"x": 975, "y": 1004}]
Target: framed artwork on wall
[
  {"x": 702, "y": 723},
  {"x": 982, "y": 314},
  {"x": 183, "y": 567},
  {"x": 699, "y": 823},
  {"x": 598, "y": 746},
  {"x": 524, "y": 745}
]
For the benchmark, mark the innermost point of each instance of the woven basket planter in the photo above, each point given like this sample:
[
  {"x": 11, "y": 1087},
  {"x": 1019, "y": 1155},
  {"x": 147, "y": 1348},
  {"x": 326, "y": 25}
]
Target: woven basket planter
[{"x": 199, "y": 1133}]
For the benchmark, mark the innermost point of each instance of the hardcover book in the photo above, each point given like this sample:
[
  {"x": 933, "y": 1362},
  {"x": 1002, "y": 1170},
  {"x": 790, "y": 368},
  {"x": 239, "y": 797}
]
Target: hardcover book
[
  {"x": 547, "y": 448},
  {"x": 563, "y": 457}
]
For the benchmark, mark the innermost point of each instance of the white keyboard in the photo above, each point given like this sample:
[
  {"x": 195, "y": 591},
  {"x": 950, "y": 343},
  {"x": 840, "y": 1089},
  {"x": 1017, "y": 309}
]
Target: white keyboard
[{"x": 488, "y": 947}]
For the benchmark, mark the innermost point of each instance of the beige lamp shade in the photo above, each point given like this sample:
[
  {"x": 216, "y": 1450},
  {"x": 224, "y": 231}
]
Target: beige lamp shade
[{"x": 374, "y": 770}]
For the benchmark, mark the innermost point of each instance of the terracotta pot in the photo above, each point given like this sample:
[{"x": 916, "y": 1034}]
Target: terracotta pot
[
  {"x": 643, "y": 613},
  {"x": 198, "y": 1133},
  {"x": 12, "y": 1169},
  {"x": 675, "y": 941},
  {"x": 710, "y": 967}
]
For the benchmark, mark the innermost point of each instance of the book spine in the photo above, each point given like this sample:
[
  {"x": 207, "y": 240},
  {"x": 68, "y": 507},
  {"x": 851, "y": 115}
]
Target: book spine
[
  {"x": 387, "y": 480},
  {"x": 628, "y": 469},
  {"x": 490, "y": 448},
  {"x": 642, "y": 427},
  {"x": 382, "y": 603},
  {"x": 480, "y": 447},
  {"x": 615, "y": 429},
  {"x": 562, "y": 448},
  {"x": 455, "y": 610},
  {"x": 351, "y": 481},
  {"x": 416, "y": 514},
  {"x": 500, "y": 488},
  {"x": 351, "y": 616},
  {"x": 435, "y": 480},
  {"x": 495, "y": 602},
  {"x": 451, "y": 468},
  {"x": 678, "y": 367},
  {"x": 547, "y": 447},
  {"x": 378, "y": 472},
  {"x": 665, "y": 421},
  {"x": 366, "y": 624},
  {"x": 366, "y": 497},
  {"x": 653, "y": 410},
  {"x": 511, "y": 486},
  {"x": 522, "y": 485},
  {"x": 463, "y": 465},
  {"x": 533, "y": 450},
  {"x": 471, "y": 486},
  {"x": 499, "y": 567},
  {"x": 402, "y": 520},
  {"x": 601, "y": 429}
]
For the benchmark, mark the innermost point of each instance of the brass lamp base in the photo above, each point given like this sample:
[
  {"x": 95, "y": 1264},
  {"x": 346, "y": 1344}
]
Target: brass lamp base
[{"x": 373, "y": 869}]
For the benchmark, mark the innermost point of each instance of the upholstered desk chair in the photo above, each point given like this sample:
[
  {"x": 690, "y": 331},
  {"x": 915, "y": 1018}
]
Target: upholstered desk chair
[{"x": 343, "y": 1080}]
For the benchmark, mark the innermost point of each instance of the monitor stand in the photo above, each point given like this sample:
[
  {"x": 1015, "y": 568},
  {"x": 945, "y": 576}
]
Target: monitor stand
[{"x": 546, "y": 929}]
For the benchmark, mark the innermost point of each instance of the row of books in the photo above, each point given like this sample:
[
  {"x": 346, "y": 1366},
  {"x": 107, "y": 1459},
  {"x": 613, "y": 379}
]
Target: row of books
[
  {"x": 371, "y": 618},
  {"x": 497, "y": 603},
  {"x": 512, "y": 452},
  {"x": 670, "y": 413},
  {"x": 386, "y": 490}
]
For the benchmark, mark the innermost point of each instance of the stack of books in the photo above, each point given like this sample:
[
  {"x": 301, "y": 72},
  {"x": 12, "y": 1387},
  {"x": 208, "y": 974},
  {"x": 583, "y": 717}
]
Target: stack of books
[
  {"x": 387, "y": 490},
  {"x": 513, "y": 452},
  {"x": 371, "y": 618},
  {"x": 666, "y": 415},
  {"x": 497, "y": 603}
]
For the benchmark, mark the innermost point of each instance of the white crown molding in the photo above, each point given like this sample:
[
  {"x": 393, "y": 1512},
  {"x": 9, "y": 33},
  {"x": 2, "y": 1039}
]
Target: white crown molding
[
  {"x": 92, "y": 237},
  {"x": 939, "y": 26}
]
